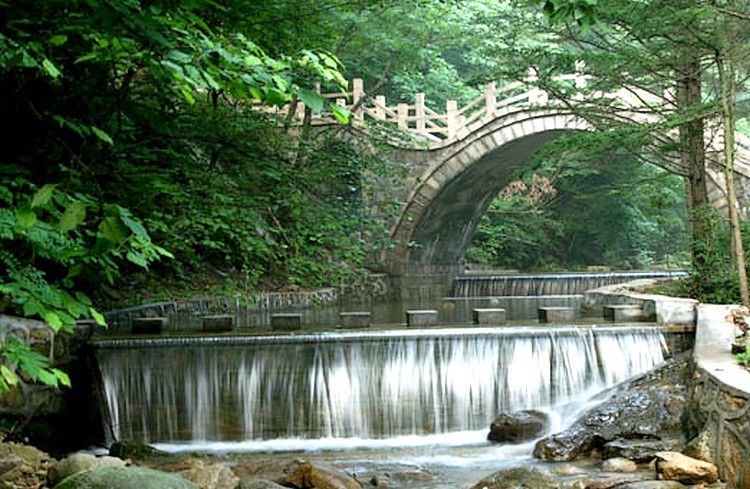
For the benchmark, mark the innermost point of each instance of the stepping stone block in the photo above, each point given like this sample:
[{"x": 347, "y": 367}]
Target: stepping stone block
[
  {"x": 556, "y": 314},
  {"x": 354, "y": 319},
  {"x": 489, "y": 316},
  {"x": 623, "y": 312},
  {"x": 286, "y": 321},
  {"x": 218, "y": 324},
  {"x": 428, "y": 317},
  {"x": 148, "y": 325}
]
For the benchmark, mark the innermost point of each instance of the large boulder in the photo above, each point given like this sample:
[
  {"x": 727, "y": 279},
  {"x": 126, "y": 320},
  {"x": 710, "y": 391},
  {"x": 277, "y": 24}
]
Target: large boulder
[
  {"x": 124, "y": 478},
  {"x": 647, "y": 409},
  {"x": 518, "y": 426},
  {"x": 78, "y": 462},
  {"x": 678, "y": 467}
]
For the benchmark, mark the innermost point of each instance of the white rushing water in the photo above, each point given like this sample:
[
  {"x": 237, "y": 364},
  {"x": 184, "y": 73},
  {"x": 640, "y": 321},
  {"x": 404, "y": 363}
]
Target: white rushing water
[{"x": 361, "y": 390}]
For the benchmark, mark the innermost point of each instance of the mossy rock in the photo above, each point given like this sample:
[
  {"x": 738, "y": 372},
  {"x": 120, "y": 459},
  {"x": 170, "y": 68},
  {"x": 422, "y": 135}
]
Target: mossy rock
[
  {"x": 133, "y": 450},
  {"x": 124, "y": 478}
]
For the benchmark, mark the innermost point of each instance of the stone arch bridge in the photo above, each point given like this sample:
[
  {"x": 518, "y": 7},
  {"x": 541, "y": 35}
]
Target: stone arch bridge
[{"x": 461, "y": 158}]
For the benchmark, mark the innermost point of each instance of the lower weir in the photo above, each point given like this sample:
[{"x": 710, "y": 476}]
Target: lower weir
[{"x": 366, "y": 385}]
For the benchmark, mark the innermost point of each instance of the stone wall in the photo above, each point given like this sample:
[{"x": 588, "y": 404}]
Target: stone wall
[
  {"x": 253, "y": 310},
  {"x": 63, "y": 349},
  {"x": 54, "y": 419},
  {"x": 718, "y": 416}
]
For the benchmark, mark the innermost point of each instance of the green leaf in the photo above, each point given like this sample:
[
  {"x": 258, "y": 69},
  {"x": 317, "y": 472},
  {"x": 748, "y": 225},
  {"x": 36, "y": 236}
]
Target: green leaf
[
  {"x": 61, "y": 376},
  {"x": 137, "y": 258},
  {"x": 58, "y": 40},
  {"x": 73, "y": 216},
  {"x": 113, "y": 230},
  {"x": 102, "y": 135},
  {"x": 85, "y": 57},
  {"x": 52, "y": 319},
  {"x": 50, "y": 68},
  {"x": 26, "y": 218},
  {"x": 8, "y": 375},
  {"x": 342, "y": 114},
  {"x": 98, "y": 317},
  {"x": 43, "y": 195},
  {"x": 311, "y": 99}
]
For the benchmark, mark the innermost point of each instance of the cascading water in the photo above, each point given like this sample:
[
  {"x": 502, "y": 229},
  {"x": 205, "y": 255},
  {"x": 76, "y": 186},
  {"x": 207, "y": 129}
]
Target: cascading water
[
  {"x": 545, "y": 284},
  {"x": 522, "y": 295},
  {"x": 368, "y": 385}
]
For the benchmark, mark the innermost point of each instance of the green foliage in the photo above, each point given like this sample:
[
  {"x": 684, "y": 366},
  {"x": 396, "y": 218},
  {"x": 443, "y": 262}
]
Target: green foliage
[
  {"x": 717, "y": 282},
  {"x": 611, "y": 210},
  {"x": 743, "y": 358},
  {"x": 92, "y": 95},
  {"x": 33, "y": 364}
]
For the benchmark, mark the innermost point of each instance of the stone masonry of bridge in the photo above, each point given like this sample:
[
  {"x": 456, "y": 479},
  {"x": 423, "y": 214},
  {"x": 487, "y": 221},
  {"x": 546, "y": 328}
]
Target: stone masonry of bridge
[{"x": 460, "y": 159}]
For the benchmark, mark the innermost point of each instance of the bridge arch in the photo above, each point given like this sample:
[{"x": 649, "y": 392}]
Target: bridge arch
[{"x": 447, "y": 201}]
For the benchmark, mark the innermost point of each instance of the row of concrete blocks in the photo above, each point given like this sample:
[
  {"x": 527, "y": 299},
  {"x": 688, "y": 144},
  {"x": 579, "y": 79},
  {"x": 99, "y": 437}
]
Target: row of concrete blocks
[{"x": 414, "y": 318}]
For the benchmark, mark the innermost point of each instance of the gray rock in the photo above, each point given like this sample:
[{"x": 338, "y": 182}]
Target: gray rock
[
  {"x": 211, "y": 476},
  {"x": 518, "y": 426},
  {"x": 9, "y": 462},
  {"x": 652, "y": 485},
  {"x": 124, "y": 478},
  {"x": 640, "y": 451},
  {"x": 700, "y": 446},
  {"x": 619, "y": 464},
  {"x": 518, "y": 478},
  {"x": 133, "y": 449},
  {"x": 259, "y": 484},
  {"x": 648, "y": 408},
  {"x": 78, "y": 462}
]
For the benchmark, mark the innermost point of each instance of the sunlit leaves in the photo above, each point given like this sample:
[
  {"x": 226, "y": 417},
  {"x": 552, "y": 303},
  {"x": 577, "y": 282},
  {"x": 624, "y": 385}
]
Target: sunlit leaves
[{"x": 34, "y": 364}]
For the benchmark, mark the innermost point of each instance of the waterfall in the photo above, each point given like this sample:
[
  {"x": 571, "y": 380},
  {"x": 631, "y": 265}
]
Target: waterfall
[
  {"x": 545, "y": 284},
  {"x": 371, "y": 385}
]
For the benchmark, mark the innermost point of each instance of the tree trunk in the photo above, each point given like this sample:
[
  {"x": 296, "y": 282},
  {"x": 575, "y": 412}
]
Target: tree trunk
[
  {"x": 728, "y": 82},
  {"x": 693, "y": 154}
]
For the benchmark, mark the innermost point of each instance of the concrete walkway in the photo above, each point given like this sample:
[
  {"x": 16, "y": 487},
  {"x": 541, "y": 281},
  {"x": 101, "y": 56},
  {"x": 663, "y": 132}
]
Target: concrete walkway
[{"x": 713, "y": 340}]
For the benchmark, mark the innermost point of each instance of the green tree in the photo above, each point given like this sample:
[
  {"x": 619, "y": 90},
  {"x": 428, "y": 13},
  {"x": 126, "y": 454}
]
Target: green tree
[{"x": 90, "y": 93}]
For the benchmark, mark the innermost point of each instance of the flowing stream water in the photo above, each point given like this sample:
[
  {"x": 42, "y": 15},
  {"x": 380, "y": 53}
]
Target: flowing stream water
[{"x": 419, "y": 396}]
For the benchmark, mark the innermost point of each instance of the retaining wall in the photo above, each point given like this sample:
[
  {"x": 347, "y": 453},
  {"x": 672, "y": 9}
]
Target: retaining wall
[{"x": 718, "y": 415}]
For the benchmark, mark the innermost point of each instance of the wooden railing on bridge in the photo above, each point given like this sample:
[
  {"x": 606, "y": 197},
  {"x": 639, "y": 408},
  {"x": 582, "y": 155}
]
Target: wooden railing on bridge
[{"x": 429, "y": 124}]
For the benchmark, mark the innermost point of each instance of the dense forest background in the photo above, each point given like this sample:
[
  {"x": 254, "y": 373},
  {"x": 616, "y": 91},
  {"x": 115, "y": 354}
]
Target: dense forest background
[{"x": 137, "y": 164}]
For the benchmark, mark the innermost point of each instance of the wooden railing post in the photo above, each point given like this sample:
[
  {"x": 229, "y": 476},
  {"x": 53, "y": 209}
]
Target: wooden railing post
[
  {"x": 536, "y": 94},
  {"x": 403, "y": 113},
  {"x": 358, "y": 90},
  {"x": 419, "y": 113},
  {"x": 316, "y": 87},
  {"x": 380, "y": 108},
  {"x": 580, "y": 67},
  {"x": 490, "y": 100},
  {"x": 451, "y": 122}
]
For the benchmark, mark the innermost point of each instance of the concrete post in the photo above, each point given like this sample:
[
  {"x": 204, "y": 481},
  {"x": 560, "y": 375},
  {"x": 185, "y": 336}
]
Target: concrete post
[
  {"x": 380, "y": 108},
  {"x": 403, "y": 113},
  {"x": 419, "y": 113},
  {"x": 490, "y": 100},
  {"x": 451, "y": 122},
  {"x": 358, "y": 91}
]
